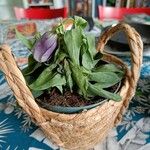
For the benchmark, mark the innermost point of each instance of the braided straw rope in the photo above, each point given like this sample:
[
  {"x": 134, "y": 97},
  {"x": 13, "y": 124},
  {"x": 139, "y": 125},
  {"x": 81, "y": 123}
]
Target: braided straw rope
[{"x": 83, "y": 130}]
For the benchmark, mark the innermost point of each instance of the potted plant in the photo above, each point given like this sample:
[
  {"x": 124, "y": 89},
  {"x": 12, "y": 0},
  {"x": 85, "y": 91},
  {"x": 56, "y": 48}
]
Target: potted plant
[{"x": 69, "y": 89}]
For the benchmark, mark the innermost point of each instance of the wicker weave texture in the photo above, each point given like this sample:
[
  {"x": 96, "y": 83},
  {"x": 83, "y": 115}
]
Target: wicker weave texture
[{"x": 83, "y": 130}]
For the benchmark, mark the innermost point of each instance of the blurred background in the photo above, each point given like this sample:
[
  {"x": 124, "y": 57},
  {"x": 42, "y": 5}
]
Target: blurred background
[{"x": 74, "y": 7}]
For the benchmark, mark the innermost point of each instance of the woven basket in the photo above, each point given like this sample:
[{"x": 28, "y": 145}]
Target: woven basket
[{"x": 83, "y": 130}]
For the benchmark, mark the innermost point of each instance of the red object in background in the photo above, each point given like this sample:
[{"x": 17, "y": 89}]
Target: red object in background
[
  {"x": 39, "y": 13},
  {"x": 118, "y": 13}
]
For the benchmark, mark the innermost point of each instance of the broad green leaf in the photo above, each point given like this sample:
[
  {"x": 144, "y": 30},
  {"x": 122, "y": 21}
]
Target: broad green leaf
[
  {"x": 55, "y": 81},
  {"x": 80, "y": 22},
  {"x": 79, "y": 78},
  {"x": 98, "y": 91},
  {"x": 73, "y": 41},
  {"x": 68, "y": 75},
  {"x": 43, "y": 78},
  {"x": 120, "y": 74},
  {"x": 88, "y": 52},
  {"x": 87, "y": 62},
  {"x": 104, "y": 77},
  {"x": 105, "y": 85},
  {"x": 91, "y": 45},
  {"x": 108, "y": 68},
  {"x": 85, "y": 71},
  {"x": 24, "y": 40},
  {"x": 32, "y": 66}
]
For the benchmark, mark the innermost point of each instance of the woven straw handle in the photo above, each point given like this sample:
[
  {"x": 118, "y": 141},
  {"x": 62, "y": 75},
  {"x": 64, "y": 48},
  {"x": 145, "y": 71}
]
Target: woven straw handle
[
  {"x": 21, "y": 91},
  {"x": 136, "y": 47},
  {"x": 16, "y": 80},
  {"x": 135, "y": 44}
]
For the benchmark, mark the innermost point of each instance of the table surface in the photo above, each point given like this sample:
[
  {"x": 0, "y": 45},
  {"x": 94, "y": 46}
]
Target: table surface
[{"x": 17, "y": 132}]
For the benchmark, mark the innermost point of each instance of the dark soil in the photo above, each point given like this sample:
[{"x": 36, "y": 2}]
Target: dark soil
[{"x": 68, "y": 99}]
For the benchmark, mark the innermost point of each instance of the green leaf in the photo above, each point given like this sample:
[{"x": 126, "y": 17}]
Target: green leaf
[
  {"x": 79, "y": 78},
  {"x": 43, "y": 78},
  {"x": 60, "y": 57},
  {"x": 88, "y": 52},
  {"x": 55, "y": 81},
  {"x": 106, "y": 78},
  {"x": 24, "y": 40},
  {"x": 37, "y": 93},
  {"x": 68, "y": 75},
  {"x": 85, "y": 71},
  {"x": 87, "y": 62},
  {"x": 108, "y": 68},
  {"x": 32, "y": 66},
  {"x": 36, "y": 37},
  {"x": 91, "y": 45},
  {"x": 98, "y": 91},
  {"x": 60, "y": 88},
  {"x": 105, "y": 84},
  {"x": 80, "y": 22},
  {"x": 73, "y": 41}
]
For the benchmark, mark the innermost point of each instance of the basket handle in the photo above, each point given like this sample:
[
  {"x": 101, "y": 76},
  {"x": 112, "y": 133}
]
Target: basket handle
[
  {"x": 21, "y": 91},
  {"x": 135, "y": 44},
  {"x": 17, "y": 82}
]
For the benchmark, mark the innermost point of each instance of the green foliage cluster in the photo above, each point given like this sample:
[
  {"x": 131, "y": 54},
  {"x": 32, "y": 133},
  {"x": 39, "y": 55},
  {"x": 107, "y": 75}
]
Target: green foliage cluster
[{"x": 75, "y": 65}]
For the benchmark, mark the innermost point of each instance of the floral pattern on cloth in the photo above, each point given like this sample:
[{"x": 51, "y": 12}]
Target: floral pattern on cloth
[
  {"x": 17, "y": 132},
  {"x": 26, "y": 27}
]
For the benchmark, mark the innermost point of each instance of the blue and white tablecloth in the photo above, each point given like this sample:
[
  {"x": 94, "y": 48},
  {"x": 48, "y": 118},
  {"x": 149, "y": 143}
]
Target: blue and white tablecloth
[{"x": 17, "y": 132}]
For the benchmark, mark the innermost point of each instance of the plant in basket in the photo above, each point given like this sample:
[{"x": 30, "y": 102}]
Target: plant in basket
[
  {"x": 65, "y": 72},
  {"x": 73, "y": 91}
]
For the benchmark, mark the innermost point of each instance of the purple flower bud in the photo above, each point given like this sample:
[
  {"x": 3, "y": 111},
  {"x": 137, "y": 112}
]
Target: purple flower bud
[{"x": 44, "y": 47}]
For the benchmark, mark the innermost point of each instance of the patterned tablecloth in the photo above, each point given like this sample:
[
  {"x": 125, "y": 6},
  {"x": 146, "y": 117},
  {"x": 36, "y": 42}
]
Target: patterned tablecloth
[{"x": 17, "y": 132}]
